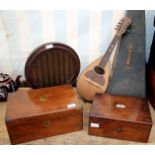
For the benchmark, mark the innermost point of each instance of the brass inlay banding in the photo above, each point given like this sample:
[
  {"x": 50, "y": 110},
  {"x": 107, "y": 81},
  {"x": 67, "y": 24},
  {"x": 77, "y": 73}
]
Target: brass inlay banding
[
  {"x": 46, "y": 123},
  {"x": 43, "y": 98}
]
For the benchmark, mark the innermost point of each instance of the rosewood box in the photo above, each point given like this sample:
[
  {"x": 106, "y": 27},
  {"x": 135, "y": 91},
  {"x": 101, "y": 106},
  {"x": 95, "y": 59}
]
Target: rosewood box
[
  {"x": 151, "y": 85},
  {"x": 150, "y": 74},
  {"x": 121, "y": 117},
  {"x": 34, "y": 114}
]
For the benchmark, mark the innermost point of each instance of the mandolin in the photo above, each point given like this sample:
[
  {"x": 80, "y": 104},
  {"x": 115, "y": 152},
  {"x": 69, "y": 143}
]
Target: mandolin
[{"x": 95, "y": 78}]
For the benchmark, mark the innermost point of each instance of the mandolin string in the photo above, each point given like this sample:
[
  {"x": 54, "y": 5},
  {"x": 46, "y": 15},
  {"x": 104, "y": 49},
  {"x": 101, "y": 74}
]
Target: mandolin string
[
  {"x": 115, "y": 56},
  {"x": 105, "y": 58},
  {"x": 115, "y": 42},
  {"x": 103, "y": 61}
]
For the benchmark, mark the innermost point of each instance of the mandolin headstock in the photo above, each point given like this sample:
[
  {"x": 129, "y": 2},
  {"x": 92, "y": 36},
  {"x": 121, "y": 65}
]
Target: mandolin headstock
[{"x": 123, "y": 25}]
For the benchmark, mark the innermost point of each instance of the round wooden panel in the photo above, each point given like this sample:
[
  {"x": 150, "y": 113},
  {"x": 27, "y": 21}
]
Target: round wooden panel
[{"x": 52, "y": 64}]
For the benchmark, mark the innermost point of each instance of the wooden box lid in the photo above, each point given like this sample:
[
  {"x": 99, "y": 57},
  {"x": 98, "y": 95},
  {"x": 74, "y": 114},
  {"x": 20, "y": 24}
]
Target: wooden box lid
[
  {"x": 121, "y": 108},
  {"x": 52, "y": 64},
  {"x": 35, "y": 102}
]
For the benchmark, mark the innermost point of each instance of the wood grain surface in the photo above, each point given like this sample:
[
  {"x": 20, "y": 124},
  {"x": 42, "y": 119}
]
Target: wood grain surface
[
  {"x": 48, "y": 62},
  {"x": 77, "y": 138},
  {"x": 120, "y": 117},
  {"x": 151, "y": 85}
]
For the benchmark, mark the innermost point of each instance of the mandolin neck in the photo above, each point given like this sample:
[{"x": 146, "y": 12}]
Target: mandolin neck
[{"x": 109, "y": 51}]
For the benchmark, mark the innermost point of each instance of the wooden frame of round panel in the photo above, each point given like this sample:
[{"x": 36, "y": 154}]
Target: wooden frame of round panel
[{"x": 52, "y": 64}]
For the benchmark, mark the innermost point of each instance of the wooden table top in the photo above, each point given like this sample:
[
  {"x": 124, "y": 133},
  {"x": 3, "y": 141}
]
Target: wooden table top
[{"x": 78, "y": 137}]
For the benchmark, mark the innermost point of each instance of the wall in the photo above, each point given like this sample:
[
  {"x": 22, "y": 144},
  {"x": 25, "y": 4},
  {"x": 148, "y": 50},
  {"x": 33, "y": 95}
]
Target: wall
[{"x": 88, "y": 32}]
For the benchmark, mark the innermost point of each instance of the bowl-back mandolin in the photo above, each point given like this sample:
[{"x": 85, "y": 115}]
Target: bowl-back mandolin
[{"x": 95, "y": 78}]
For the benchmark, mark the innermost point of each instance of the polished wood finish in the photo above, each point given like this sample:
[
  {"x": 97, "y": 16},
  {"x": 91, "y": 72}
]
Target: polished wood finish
[
  {"x": 150, "y": 72},
  {"x": 151, "y": 60},
  {"x": 34, "y": 114},
  {"x": 73, "y": 138},
  {"x": 52, "y": 64},
  {"x": 151, "y": 85},
  {"x": 120, "y": 117}
]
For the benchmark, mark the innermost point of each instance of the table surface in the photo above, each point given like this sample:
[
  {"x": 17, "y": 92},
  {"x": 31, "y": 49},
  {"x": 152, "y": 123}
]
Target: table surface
[{"x": 78, "y": 137}]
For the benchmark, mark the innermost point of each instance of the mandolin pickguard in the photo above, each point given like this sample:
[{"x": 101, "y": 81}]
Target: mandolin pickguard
[
  {"x": 95, "y": 78},
  {"x": 89, "y": 84}
]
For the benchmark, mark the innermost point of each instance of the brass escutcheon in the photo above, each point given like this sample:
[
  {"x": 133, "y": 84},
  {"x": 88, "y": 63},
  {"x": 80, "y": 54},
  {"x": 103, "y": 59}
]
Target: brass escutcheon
[
  {"x": 119, "y": 129},
  {"x": 43, "y": 98},
  {"x": 46, "y": 123}
]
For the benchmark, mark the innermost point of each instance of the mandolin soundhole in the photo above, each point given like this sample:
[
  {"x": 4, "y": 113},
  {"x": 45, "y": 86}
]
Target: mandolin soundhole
[{"x": 99, "y": 70}]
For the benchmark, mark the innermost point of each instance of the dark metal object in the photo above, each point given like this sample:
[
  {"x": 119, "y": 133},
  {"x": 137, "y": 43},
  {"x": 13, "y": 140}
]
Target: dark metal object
[
  {"x": 7, "y": 84},
  {"x": 3, "y": 94}
]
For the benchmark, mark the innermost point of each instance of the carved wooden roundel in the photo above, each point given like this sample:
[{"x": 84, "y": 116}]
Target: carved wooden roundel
[{"x": 52, "y": 64}]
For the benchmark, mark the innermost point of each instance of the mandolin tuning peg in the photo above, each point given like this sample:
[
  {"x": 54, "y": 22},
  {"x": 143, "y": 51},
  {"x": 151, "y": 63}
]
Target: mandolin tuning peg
[
  {"x": 127, "y": 31},
  {"x": 118, "y": 25},
  {"x": 120, "y": 22},
  {"x": 130, "y": 26}
]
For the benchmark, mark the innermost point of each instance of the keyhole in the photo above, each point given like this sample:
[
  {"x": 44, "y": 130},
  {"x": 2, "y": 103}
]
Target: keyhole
[
  {"x": 99, "y": 70},
  {"x": 46, "y": 123}
]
